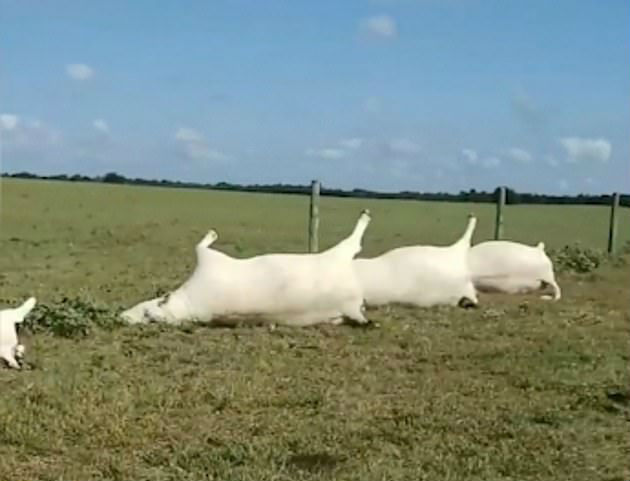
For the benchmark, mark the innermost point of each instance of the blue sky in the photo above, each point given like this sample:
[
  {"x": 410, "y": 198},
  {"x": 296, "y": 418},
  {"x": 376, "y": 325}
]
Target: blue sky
[{"x": 383, "y": 94}]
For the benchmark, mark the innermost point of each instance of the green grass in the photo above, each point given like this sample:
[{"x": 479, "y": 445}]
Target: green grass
[{"x": 519, "y": 389}]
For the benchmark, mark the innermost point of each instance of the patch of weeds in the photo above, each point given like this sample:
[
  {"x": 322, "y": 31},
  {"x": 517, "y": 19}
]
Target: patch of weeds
[
  {"x": 625, "y": 248},
  {"x": 219, "y": 402},
  {"x": 522, "y": 383},
  {"x": 547, "y": 418},
  {"x": 196, "y": 458},
  {"x": 594, "y": 277},
  {"x": 234, "y": 455},
  {"x": 619, "y": 261},
  {"x": 584, "y": 317},
  {"x": 315, "y": 462},
  {"x": 614, "y": 400},
  {"x": 70, "y": 318},
  {"x": 577, "y": 258},
  {"x": 619, "y": 395},
  {"x": 305, "y": 402}
]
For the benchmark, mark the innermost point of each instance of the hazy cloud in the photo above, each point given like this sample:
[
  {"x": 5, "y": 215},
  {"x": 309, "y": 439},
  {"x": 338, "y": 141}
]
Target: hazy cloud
[
  {"x": 200, "y": 151},
  {"x": 79, "y": 71},
  {"x": 551, "y": 160},
  {"x": 519, "y": 155},
  {"x": 195, "y": 147},
  {"x": 528, "y": 112},
  {"x": 372, "y": 105},
  {"x": 353, "y": 143},
  {"x": 404, "y": 146},
  {"x": 470, "y": 156},
  {"x": 8, "y": 121},
  {"x": 582, "y": 149},
  {"x": 101, "y": 126},
  {"x": 491, "y": 162},
  {"x": 379, "y": 26},
  {"x": 329, "y": 153},
  {"x": 27, "y": 134},
  {"x": 185, "y": 134},
  {"x": 400, "y": 168}
]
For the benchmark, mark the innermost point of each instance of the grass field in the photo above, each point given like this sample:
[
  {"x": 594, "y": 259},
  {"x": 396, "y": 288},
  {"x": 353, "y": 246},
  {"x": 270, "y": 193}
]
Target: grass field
[{"x": 519, "y": 389}]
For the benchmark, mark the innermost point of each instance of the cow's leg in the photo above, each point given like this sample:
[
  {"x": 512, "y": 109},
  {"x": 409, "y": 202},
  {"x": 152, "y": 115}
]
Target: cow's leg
[
  {"x": 205, "y": 243},
  {"x": 557, "y": 293},
  {"x": 208, "y": 239},
  {"x": 7, "y": 354},
  {"x": 335, "y": 321},
  {"x": 352, "y": 243},
  {"x": 355, "y": 311}
]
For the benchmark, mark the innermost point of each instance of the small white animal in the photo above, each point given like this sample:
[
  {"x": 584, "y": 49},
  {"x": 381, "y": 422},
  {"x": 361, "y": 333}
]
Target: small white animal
[
  {"x": 512, "y": 267},
  {"x": 10, "y": 350},
  {"x": 420, "y": 275},
  {"x": 290, "y": 289}
]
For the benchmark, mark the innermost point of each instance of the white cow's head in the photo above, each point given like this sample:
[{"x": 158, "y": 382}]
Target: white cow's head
[{"x": 171, "y": 308}]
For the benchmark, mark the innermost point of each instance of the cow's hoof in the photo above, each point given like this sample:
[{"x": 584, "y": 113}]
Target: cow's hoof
[{"x": 467, "y": 303}]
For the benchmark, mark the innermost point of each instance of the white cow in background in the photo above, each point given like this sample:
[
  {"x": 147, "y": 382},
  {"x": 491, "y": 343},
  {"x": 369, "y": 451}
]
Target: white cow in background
[
  {"x": 512, "y": 267},
  {"x": 284, "y": 288},
  {"x": 421, "y": 275},
  {"x": 10, "y": 349}
]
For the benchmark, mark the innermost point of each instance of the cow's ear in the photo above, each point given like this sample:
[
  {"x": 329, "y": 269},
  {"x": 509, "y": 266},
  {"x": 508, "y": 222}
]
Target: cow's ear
[{"x": 164, "y": 300}]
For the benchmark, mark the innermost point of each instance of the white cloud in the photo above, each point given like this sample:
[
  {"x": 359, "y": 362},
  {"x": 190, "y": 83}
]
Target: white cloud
[
  {"x": 563, "y": 184},
  {"x": 101, "y": 126},
  {"x": 353, "y": 143},
  {"x": 519, "y": 155},
  {"x": 79, "y": 71},
  {"x": 380, "y": 26},
  {"x": 582, "y": 149},
  {"x": 470, "y": 156},
  {"x": 195, "y": 146},
  {"x": 326, "y": 153},
  {"x": 491, "y": 162},
  {"x": 8, "y": 121},
  {"x": 404, "y": 146}
]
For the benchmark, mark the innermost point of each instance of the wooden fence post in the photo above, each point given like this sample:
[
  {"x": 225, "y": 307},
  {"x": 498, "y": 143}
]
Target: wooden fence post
[
  {"x": 313, "y": 226},
  {"x": 612, "y": 228},
  {"x": 498, "y": 224}
]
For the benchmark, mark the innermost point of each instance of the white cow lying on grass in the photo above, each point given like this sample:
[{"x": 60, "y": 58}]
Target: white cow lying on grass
[
  {"x": 420, "y": 275},
  {"x": 290, "y": 289},
  {"x": 10, "y": 350},
  {"x": 511, "y": 267}
]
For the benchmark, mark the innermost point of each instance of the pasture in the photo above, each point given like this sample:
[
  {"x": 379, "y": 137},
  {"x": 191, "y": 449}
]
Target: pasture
[{"x": 518, "y": 389}]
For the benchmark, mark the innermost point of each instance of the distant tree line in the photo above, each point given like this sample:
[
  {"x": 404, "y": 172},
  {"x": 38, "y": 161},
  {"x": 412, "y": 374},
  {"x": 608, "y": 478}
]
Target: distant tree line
[{"x": 512, "y": 197}]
